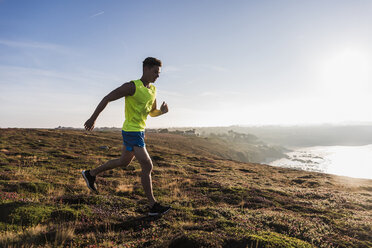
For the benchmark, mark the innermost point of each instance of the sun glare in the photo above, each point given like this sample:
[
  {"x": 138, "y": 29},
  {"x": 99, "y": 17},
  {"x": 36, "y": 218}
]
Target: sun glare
[{"x": 346, "y": 73}]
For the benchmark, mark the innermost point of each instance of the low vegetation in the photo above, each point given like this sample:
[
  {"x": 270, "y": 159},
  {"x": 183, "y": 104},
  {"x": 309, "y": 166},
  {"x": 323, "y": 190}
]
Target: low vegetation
[{"x": 217, "y": 201}]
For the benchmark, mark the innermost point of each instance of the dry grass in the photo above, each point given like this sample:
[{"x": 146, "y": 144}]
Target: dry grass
[
  {"x": 64, "y": 234},
  {"x": 216, "y": 202},
  {"x": 124, "y": 188},
  {"x": 31, "y": 234}
]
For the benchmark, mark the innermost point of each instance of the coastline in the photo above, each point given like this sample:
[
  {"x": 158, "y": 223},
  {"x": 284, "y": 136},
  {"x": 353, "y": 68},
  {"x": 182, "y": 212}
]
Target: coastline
[{"x": 339, "y": 160}]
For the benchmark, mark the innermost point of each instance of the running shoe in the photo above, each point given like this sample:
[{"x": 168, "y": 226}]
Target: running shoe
[
  {"x": 89, "y": 179},
  {"x": 158, "y": 209}
]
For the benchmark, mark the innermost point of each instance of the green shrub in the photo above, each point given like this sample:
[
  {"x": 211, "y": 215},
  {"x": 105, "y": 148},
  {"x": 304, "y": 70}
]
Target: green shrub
[
  {"x": 9, "y": 227},
  {"x": 196, "y": 238},
  {"x": 30, "y": 215},
  {"x": 243, "y": 238},
  {"x": 277, "y": 240},
  {"x": 3, "y": 160},
  {"x": 64, "y": 214},
  {"x": 34, "y": 187}
]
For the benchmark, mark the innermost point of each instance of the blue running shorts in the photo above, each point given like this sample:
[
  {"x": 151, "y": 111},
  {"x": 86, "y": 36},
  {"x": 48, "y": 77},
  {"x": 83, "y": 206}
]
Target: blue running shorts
[{"x": 131, "y": 139}]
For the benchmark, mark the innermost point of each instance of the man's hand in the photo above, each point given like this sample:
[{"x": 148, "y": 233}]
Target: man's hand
[
  {"x": 164, "y": 108},
  {"x": 156, "y": 112},
  {"x": 89, "y": 124}
]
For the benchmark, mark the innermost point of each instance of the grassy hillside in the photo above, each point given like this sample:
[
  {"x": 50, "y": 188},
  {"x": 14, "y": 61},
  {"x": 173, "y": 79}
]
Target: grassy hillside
[{"x": 217, "y": 202}]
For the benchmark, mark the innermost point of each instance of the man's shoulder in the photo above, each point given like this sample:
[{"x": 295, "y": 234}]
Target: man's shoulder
[
  {"x": 129, "y": 87},
  {"x": 131, "y": 83}
]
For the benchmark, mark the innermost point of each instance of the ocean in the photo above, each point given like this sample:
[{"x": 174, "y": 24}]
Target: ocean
[{"x": 351, "y": 161}]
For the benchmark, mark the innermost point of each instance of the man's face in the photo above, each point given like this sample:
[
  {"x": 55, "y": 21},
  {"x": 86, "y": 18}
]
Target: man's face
[{"x": 152, "y": 72}]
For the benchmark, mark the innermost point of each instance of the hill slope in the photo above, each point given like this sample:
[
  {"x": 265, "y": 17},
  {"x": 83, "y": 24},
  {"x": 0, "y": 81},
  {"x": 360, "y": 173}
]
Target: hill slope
[{"x": 216, "y": 202}]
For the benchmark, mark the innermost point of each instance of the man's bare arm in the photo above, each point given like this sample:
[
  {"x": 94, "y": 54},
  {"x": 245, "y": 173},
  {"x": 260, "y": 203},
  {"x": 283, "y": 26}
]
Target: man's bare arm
[
  {"x": 126, "y": 89},
  {"x": 156, "y": 112}
]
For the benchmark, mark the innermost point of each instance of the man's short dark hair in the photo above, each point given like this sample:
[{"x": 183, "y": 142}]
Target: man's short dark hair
[{"x": 150, "y": 61}]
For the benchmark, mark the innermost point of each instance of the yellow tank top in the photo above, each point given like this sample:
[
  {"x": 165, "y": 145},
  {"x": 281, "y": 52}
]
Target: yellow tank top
[{"x": 138, "y": 106}]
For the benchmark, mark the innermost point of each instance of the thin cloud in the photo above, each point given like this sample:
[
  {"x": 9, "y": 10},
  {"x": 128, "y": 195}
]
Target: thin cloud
[
  {"x": 208, "y": 67},
  {"x": 232, "y": 94},
  {"x": 215, "y": 68},
  {"x": 97, "y": 14},
  {"x": 20, "y": 76},
  {"x": 209, "y": 93},
  {"x": 169, "y": 93},
  {"x": 38, "y": 45},
  {"x": 171, "y": 68}
]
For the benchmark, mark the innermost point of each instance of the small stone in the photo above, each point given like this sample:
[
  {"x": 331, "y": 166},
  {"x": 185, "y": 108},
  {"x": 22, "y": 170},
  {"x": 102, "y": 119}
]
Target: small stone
[{"x": 104, "y": 147}]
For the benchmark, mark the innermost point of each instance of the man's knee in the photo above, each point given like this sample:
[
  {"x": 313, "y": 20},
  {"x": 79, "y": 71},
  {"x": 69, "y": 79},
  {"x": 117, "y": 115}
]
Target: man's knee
[
  {"x": 125, "y": 160},
  {"x": 122, "y": 162},
  {"x": 146, "y": 165}
]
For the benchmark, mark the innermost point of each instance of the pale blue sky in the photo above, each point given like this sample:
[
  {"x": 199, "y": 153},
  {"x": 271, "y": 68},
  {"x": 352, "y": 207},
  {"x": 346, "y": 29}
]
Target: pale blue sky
[{"x": 225, "y": 62}]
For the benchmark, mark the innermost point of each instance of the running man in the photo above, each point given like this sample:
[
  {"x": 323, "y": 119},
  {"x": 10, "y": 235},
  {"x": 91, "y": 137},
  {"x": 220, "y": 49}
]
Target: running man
[{"x": 140, "y": 101}]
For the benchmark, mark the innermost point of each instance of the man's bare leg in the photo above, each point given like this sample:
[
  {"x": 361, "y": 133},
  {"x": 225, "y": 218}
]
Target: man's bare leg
[
  {"x": 146, "y": 164},
  {"x": 124, "y": 160}
]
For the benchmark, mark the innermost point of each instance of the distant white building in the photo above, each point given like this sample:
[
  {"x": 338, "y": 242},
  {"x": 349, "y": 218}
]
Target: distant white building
[
  {"x": 178, "y": 132},
  {"x": 191, "y": 132},
  {"x": 151, "y": 130}
]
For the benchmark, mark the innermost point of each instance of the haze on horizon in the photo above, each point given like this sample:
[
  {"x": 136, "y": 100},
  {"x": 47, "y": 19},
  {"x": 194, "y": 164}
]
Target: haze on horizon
[{"x": 225, "y": 63}]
